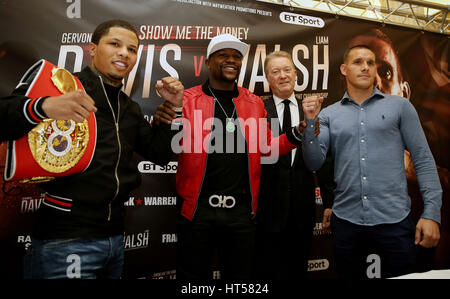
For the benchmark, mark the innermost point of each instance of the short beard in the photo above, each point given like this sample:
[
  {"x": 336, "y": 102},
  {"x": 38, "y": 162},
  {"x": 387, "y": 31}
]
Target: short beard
[{"x": 224, "y": 78}]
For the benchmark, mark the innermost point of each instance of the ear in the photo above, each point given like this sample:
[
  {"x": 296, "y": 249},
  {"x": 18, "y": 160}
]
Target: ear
[
  {"x": 92, "y": 49},
  {"x": 343, "y": 69},
  {"x": 406, "y": 90},
  {"x": 207, "y": 63}
]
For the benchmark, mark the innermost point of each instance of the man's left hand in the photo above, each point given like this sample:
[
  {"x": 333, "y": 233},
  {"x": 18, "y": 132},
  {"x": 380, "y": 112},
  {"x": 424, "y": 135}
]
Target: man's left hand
[
  {"x": 311, "y": 106},
  {"x": 427, "y": 233}
]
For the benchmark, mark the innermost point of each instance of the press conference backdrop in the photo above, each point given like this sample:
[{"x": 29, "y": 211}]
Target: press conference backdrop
[{"x": 173, "y": 39}]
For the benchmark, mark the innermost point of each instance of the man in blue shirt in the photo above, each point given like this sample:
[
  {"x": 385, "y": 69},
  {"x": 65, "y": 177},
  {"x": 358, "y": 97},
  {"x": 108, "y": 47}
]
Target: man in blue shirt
[{"x": 367, "y": 132}]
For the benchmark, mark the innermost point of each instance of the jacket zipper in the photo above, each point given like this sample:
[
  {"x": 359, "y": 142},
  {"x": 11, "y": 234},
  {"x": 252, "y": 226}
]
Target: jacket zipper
[
  {"x": 248, "y": 162},
  {"x": 206, "y": 163},
  {"x": 116, "y": 122}
]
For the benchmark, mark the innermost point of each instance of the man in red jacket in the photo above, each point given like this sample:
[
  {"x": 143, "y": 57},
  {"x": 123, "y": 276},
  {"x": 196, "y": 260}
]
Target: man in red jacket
[{"x": 224, "y": 136}]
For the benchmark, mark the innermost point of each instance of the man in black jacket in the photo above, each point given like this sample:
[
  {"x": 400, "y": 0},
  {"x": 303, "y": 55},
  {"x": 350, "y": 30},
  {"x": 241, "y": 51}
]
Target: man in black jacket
[
  {"x": 287, "y": 191},
  {"x": 78, "y": 230}
]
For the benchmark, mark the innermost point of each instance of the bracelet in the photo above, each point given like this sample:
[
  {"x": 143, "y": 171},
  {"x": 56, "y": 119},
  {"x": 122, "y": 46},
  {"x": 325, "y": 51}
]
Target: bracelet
[{"x": 178, "y": 111}]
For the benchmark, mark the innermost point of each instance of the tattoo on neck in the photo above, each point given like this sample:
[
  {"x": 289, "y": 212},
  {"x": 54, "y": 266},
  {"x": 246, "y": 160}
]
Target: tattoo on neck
[{"x": 104, "y": 78}]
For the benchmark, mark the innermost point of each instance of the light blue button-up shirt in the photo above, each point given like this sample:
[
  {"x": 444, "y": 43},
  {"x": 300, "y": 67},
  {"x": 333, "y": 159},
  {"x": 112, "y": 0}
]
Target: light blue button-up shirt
[{"x": 368, "y": 143}]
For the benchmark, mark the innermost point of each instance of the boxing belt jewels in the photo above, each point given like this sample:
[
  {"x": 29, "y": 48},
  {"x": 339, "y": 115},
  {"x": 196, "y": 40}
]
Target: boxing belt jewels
[{"x": 53, "y": 148}]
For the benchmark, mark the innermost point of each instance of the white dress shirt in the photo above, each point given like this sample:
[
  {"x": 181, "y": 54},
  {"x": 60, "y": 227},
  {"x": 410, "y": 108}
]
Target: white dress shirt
[{"x": 295, "y": 117}]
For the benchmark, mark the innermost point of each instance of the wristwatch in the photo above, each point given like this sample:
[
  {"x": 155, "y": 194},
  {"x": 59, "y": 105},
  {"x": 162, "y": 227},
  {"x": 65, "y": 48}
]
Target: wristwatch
[
  {"x": 297, "y": 134},
  {"x": 178, "y": 111}
]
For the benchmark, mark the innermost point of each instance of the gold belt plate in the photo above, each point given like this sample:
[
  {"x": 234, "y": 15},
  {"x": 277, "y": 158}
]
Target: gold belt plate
[{"x": 58, "y": 145}]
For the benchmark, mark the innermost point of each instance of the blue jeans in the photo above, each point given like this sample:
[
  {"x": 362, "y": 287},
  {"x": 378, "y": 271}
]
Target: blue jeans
[{"x": 75, "y": 258}]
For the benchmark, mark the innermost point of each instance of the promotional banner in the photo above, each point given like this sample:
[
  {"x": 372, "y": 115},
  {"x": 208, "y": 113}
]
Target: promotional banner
[{"x": 173, "y": 38}]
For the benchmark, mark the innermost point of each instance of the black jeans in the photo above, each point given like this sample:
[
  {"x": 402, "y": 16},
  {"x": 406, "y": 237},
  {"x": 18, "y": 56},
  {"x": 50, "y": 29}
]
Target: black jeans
[
  {"x": 230, "y": 231},
  {"x": 379, "y": 251},
  {"x": 283, "y": 255}
]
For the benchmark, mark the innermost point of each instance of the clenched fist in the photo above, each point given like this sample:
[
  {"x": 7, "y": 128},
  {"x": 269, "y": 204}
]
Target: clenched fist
[
  {"x": 172, "y": 90},
  {"x": 311, "y": 106}
]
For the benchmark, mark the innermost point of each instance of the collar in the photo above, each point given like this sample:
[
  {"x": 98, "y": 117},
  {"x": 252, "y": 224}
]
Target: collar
[
  {"x": 206, "y": 91},
  {"x": 279, "y": 101},
  {"x": 92, "y": 85},
  {"x": 91, "y": 76},
  {"x": 376, "y": 94}
]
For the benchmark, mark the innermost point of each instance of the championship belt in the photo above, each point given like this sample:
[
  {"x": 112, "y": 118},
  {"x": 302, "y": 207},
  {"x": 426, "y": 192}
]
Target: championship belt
[{"x": 53, "y": 148}]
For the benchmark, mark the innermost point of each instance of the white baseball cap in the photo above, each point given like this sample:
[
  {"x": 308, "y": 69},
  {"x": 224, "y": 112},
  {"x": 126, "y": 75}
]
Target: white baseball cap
[{"x": 225, "y": 41}]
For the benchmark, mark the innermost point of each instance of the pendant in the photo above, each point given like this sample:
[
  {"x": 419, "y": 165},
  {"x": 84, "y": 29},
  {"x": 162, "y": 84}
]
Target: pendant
[{"x": 230, "y": 127}]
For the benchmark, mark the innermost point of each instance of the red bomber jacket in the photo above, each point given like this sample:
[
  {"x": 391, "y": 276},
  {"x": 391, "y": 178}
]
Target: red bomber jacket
[{"x": 198, "y": 111}]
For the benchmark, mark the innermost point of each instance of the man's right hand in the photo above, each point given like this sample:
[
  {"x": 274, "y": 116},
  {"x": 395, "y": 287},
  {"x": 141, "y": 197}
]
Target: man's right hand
[
  {"x": 75, "y": 105},
  {"x": 311, "y": 106},
  {"x": 326, "y": 220}
]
